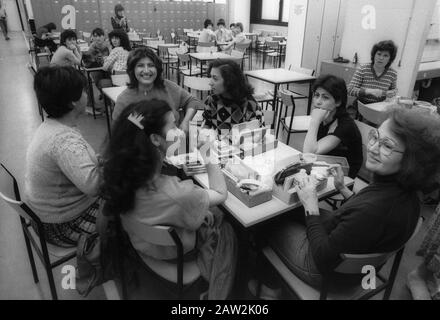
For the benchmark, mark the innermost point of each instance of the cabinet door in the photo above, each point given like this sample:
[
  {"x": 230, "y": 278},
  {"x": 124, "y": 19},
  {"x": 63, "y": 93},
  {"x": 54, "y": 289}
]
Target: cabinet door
[
  {"x": 328, "y": 30},
  {"x": 315, "y": 11}
]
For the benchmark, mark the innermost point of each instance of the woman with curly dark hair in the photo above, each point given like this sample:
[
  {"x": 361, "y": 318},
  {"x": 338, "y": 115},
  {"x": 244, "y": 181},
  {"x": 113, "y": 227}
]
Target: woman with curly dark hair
[
  {"x": 144, "y": 68},
  {"x": 231, "y": 100},
  {"x": 119, "y": 21},
  {"x": 135, "y": 189}
]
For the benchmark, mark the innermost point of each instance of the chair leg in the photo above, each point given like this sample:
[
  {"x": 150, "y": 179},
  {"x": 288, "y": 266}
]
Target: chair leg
[
  {"x": 48, "y": 267},
  {"x": 393, "y": 274},
  {"x": 30, "y": 254}
]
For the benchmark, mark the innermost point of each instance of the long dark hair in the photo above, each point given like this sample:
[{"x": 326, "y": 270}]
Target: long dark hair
[
  {"x": 337, "y": 88},
  {"x": 234, "y": 81},
  {"x": 131, "y": 159},
  {"x": 134, "y": 57},
  {"x": 420, "y": 132},
  {"x": 122, "y": 35}
]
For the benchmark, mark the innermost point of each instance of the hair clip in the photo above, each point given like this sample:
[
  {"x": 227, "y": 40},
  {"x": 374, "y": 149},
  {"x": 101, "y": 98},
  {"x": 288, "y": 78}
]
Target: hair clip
[{"x": 136, "y": 120}]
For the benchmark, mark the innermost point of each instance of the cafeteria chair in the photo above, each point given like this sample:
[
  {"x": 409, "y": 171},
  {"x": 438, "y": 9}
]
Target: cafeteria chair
[
  {"x": 180, "y": 277},
  {"x": 120, "y": 78},
  {"x": 51, "y": 256},
  {"x": 372, "y": 116},
  {"x": 200, "y": 84},
  {"x": 275, "y": 51},
  {"x": 292, "y": 123},
  {"x": 238, "y": 57},
  {"x": 339, "y": 286},
  {"x": 206, "y": 44},
  {"x": 246, "y": 47},
  {"x": 185, "y": 66},
  {"x": 167, "y": 58}
]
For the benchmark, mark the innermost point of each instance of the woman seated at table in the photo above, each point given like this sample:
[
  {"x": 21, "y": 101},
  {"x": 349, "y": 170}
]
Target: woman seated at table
[
  {"x": 231, "y": 101},
  {"x": 146, "y": 83},
  {"x": 332, "y": 131},
  {"x": 68, "y": 53},
  {"x": 135, "y": 189},
  {"x": 62, "y": 173},
  {"x": 404, "y": 156},
  {"x": 117, "y": 59},
  {"x": 375, "y": 81},
  {"x": 207, "y": 34},
  {"x": 238, "y": 37},
  {"x": 222, "y": 34},
  {"x": 43, "y": 37}
]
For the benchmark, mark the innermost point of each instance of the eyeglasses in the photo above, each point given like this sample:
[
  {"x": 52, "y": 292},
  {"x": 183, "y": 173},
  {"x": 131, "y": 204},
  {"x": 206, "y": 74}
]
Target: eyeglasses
[{"x": 386, "y": 146}]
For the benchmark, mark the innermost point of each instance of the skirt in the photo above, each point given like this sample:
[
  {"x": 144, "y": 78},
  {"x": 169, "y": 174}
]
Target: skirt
[{"x": 66, "y": 234}]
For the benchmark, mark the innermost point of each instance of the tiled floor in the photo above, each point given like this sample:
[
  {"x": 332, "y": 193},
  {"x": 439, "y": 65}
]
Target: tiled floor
[{"x": 18, "y": 120}]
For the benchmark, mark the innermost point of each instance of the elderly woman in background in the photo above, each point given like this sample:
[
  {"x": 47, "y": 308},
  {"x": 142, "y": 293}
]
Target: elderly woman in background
[{"x": 62, "y": 173}]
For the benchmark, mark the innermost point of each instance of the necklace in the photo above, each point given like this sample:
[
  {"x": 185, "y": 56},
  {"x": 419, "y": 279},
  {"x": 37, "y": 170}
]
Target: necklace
[{"x": 147, "y": 91}]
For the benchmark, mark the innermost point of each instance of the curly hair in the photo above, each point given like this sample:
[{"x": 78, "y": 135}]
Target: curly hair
[
  {"x": 67, "y": 34},
  {"x": 234, "y": 81},
  {"x": 131, "y": 159},
  {"x": 123, "y": 37},
  {"x": 134, "y": 57},
  {"x": 57, "y": 87},
  {"x": 420, "y": 132},
  {"x": 388, "y": 46}
]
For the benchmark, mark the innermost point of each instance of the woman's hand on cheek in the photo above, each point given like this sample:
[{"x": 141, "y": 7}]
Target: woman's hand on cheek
[{"x": 319, "y": 115}]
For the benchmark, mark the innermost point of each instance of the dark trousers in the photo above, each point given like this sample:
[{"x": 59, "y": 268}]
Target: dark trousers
[{"x": 4, "y": 26}]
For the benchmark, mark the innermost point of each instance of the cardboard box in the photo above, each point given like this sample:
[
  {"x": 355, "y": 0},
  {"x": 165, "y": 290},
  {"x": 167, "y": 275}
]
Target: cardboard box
[
  {"x": 248, "y": 199},
  {"x": 335, "y": 160}
]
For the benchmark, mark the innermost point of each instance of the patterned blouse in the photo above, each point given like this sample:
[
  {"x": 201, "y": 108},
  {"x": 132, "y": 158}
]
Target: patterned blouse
[
  {"x": 117, "y": 60},
  {"x": 222, "y": 114}
]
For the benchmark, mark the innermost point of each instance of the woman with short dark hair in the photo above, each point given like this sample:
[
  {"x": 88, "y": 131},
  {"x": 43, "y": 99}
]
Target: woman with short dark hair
[
  {"x": 332, "y": 131},
  {"x": 119, "y": 21},
  {"x": 207, "y": 34},
  {"x": 43, "y": 37},
  {"x": 231, "y": 101},
  {"x": 145, "y": 69},
  {"x": 68, "y": 53},
  {"x": 222, "y": 34},
  {"x": 375, "y": 81},
  {"x": 62, "y": 172},
  {"x": 404, "y": 156}
]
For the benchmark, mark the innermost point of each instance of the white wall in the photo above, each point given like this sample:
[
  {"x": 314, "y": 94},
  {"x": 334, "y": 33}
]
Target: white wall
[
  {"x": 240, "y": 11},
  {"x": 29, "y": 8},
  {"x": 392, "y": 23},
  {"x": 296, "y": 32}
]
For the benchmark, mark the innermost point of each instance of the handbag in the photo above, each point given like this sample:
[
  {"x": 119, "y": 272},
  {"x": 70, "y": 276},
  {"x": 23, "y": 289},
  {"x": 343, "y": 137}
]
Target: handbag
[{"x": 291, "y": 170}]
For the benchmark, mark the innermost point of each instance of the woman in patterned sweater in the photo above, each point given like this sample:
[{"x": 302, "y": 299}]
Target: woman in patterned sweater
[
  {"x": 231, "y": 101},
  {"x": 375, "y": 81}
]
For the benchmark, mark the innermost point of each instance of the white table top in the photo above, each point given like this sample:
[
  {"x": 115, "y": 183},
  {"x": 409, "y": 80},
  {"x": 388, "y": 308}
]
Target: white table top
[
  {"x": 113, "y": 92},
  {"x": 383, "y": 106},
  {"x": 268, "y": 163},
  {"x": 206, "y": 56},
  {"x": 155, "y": 46},
  {"x": 279, "y": 76}
]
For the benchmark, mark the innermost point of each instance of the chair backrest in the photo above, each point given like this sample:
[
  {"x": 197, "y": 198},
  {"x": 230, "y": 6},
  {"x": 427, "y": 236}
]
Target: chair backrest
[
  {"x": 273, "y": 45},
  {"x": 197, "y": 83},
  {"x": 183, "y": 57},
  {"x": 164, "y": 50},
  {"x": 278, "y": 38},
  {"x": 10, "y": 193},
  {"x": 237, "y": 54},
  {"x": 371, "y": 115},
  {"x": 206, "y": 44},
  {"x": 268, "y": 117},
  {"x": 309, "y": 72},
  {"x": 120, "y": 80},
  {"x": 364, "y": 129},
  {"x": 353, "y": 263},
  {"x": 243, "y": 46},
  {"x": 286, "y": 98}
]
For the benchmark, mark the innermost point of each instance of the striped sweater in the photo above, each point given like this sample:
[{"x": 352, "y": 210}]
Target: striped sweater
[{"x": 366, "y": 78}]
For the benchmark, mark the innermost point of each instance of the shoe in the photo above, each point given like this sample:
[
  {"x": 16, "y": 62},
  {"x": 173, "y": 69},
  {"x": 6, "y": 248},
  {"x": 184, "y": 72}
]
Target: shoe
[{"x": 266, "y": 293}]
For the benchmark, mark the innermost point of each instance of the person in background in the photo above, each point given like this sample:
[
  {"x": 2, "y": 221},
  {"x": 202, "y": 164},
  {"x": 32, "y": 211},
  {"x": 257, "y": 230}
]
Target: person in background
[
  {"x": 68, "y": 53},
  {"x": 44, "y": 37},
  {"x": 4, "y": 20},
  {"x": 119, "y": 21},
  {"x": 404, "y": 156},
  {"x": 232, "y": 28},
  {"x": 375, "y": 81},
  {"x": 231, "y": 101},
  {"x": 207, "y": 34},
  {"x": 238, "y": 37},
  {"x": 332, "y": 131},
  {"x": 146, "y": 83},
  {"x": 424, "y": 281},
  {"x": 62, "y": 175},
  {"x": 117, "y": 59},
  {"x": 222, "y": 34},
  {"x": 134, "y": 188}
]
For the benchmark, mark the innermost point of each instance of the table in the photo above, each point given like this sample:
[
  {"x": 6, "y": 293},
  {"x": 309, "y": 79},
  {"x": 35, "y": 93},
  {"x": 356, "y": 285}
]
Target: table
[
  {"x": 281, "y": 76},
  {"x": 155, "y": 46},
  {"x": 208, "y": 56},
  {"x": 249, "y": 217},
  {"x": 112, "y": 94}
]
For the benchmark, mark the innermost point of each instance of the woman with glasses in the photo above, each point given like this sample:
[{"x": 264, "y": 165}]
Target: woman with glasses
[
  {"x": 332, "y": 131},
  {"x": 404, "y": 156}
]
